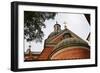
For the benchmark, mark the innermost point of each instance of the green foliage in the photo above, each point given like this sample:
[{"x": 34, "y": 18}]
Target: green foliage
[{"x": 33, "y": 24}]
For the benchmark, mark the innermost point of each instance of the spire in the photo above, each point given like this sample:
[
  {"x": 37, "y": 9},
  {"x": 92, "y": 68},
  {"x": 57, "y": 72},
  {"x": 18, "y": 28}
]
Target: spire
[{"x": 65, "y": 25}]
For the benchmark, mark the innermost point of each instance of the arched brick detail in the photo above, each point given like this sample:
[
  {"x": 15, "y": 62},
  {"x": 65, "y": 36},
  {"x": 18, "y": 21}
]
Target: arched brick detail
[{"x": 71, "y": 53}]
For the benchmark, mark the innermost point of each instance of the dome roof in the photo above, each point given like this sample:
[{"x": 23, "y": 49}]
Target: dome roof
[
  {"x": 50, "y": 36},
  {"x": 53, "y": 34},
  {"x": 56, "y": 33},
  {"x": 57, "y": 25},
  {"x": 71, "y": 42}
]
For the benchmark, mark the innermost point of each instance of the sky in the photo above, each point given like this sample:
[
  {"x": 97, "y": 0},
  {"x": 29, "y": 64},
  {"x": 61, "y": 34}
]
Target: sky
[{"x": 77, "y": 23}]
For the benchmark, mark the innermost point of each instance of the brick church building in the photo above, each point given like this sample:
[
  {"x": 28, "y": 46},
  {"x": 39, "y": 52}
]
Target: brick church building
[{"x": 61, "y": 44}]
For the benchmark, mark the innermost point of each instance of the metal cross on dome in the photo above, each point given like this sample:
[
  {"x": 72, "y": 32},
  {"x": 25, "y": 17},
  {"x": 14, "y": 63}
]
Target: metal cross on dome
[{"x": 65, "y": 25}]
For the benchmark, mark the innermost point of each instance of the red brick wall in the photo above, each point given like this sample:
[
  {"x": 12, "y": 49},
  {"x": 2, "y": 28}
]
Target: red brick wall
[
  {"x": 45, "y": 54},
  {"x": 75, "y": 53}
]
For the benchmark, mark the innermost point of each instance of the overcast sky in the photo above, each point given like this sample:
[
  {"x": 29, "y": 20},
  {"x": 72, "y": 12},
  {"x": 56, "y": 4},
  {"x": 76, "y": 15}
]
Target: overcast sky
[{"x": 77, "y": 23}]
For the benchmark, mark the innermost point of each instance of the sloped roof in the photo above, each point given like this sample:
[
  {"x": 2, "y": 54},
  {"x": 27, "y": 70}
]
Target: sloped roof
[
  {"x": 71, "y": 42},
  {"x": 58, "y": 34}
]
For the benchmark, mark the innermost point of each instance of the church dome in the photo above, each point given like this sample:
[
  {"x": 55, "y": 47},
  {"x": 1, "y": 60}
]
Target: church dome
[
  {"x": 57, "y": 29},
  {"x": 53, "y": 34},
  {"x": 71, "y": 42}
]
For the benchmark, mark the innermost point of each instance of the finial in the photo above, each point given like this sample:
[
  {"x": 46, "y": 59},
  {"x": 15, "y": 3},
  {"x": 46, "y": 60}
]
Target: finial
[
  {"x": 30, "y": 46},
  {"x": 56, "y": 22},
  {"x": 65, "y": 25}
]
